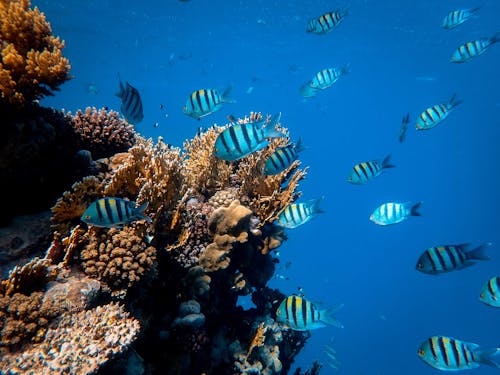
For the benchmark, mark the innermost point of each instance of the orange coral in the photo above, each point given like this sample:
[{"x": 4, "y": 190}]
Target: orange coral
[
  {"x": 258, "y": 338},
  {"x": 32, "y": 64}
]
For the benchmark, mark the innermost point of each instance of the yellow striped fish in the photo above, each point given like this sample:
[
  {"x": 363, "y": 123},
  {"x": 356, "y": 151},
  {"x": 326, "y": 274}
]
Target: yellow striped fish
[
  {"x": 363, "y": 172},
  {"x": 282, "y": 158},
  {"x": 301, "y": 315},
  {"x": 393, "y": 213},
  {"x": 326, "y": 22},
  {"x": 446, "y": 258},
  {"x": 131, "y": 107},
  {"x": 432, "y": 116},
  {"x": 472, "y": 49},
  {"x": 113, "y": 212},
  {"x": 323, "y": 80},
  {"x": 490, "y": 294},
  {"x": 206, "y": 101},
  {"x": 458, "y": 17},
  {"x": 297, "y": 214},
  {"x": 449, "y": 354}
]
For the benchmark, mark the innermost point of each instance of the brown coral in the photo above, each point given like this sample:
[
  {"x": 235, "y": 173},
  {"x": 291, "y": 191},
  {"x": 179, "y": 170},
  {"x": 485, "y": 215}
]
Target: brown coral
[
  {"x": 32, "y": 64},
  {"x": 102, "y": 132},
  {"x": 79, "y": 344},
  {"x": 118, "y": 257}
]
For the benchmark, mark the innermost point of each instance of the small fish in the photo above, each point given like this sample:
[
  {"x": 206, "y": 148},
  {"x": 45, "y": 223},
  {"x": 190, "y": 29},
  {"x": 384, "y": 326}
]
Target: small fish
[
  {"x": 282, "y": 158},
  {"x": 490, "y": 294},
  {"x": 280, "y": 277},
  {"x": 156, "y": 124},
  {"x": 441, "y": 259},
  {"x": 302, "y": 315},
  {"x": 206, "y": 101},
  {"x": 323, "y": 80},
  {"x": 432, "y": 116},
  {"x": 113, "y": 213},
  {"x": 131, "y": 107},
  {"x": 297, "y": 214},
  {"x": 393, "y": 213},
  {"x": 458, "y": 17},
  {"x": 326, "y": 22},
  {"x": 239, "y": 140},
  {"x": 449, "y": 354},
  {"x": 92, "y": 88},
  {"x": 403, "y": 127},
  {"x": 367, "y": 171},
  {"x": 467, "y": 51}
]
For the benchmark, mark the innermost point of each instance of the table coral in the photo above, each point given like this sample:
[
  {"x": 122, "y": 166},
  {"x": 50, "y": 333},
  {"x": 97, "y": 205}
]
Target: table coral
[
  {"x": 102, "y": 132},
  {"x": 32, "y": 64}
]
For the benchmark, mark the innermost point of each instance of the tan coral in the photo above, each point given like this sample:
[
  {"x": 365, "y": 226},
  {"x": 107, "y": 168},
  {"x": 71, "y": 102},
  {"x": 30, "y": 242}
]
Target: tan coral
[
  {"x": 118, "y": 257},
  {"x": 79, "y": 344},
  {"x": 71, "y": 206},
  {"x": 32, "y": 64}
]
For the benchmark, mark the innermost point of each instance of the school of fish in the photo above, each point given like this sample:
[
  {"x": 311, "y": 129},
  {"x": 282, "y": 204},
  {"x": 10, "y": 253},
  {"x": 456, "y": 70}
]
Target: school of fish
[{"x": 237, "y": 141}]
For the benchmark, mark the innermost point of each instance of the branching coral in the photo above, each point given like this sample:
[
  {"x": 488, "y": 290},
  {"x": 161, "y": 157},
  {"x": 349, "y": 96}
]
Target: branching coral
[
  {"x": 32, "y": 64},
  {"x": 117, "y": 257},
  {"x": 70, "y": 207},
  {"x": 102, "y": 132},
  {"x": 79, "y": 344}
]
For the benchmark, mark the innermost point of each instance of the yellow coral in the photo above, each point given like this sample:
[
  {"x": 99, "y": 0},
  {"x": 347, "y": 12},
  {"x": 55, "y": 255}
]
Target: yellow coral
[{"x": 32, "y": 63}]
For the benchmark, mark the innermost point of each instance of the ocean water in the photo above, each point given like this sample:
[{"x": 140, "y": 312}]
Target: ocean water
[{"x": 399, "y": 63}]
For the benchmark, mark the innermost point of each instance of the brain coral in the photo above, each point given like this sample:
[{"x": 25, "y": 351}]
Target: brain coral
[{"x": 32, "y": 64}]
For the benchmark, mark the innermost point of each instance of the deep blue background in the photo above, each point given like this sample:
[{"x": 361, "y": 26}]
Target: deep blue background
[{"x": 399, "y": 60}]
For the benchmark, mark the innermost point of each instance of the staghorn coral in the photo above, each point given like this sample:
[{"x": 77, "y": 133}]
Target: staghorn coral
[
  {"x": 32, "y": 64},
  {"x": 102, "y": 132},
  {"x": 117, "y": 257},
  {"x": 79, "y": 344}
]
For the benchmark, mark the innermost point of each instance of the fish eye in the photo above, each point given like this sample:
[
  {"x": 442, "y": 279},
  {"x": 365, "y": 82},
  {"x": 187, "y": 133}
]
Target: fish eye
[
  {"x": 87, "y": 217},
  {"x": 420, "y": 266},
  {"x": 421, "y": 352},
  {"x": 481, "y": 295}
]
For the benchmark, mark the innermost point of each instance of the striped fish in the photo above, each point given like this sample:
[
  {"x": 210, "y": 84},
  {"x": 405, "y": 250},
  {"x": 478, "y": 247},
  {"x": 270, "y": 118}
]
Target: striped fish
[
  {"x": 323, "y": 80},
  {"x": 301, "y": 315},
  {"x": 326, "y": 22},
  {"x": 458, "y": 17},
  {"x": 441, "y": 259},
  {"x": 490, "y": 294},
  {"x": 296, "y": 214},
  {"x": 239, "y": 140},
  {"x": 393, "y": 213},
  {"x": 206, "y": 101},
  {"x": 432, "y": 116},
  {"x": 131, "y": 107},
  {"x": 113, "y": 212},
  {"x": 449, "y": 354},
  {"x": 472, "y": 49},
  {"x": 367, "y": 171},
  {"x": 282, "y": 158}
]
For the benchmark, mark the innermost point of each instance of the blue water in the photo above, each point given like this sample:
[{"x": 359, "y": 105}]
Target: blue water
[{"x": 399, "y": 62}]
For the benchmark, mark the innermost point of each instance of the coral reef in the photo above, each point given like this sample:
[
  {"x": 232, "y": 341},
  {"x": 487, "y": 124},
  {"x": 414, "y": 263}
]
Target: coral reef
[
  {"x": 179, "y": 276},
  {"x": 32, "y": 64},
  {"x": 102, "y": 132}
]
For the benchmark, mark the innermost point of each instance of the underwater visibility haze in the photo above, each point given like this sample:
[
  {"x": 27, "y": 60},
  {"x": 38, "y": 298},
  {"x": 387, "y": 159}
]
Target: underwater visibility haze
[{"x": 274, "y": 184}]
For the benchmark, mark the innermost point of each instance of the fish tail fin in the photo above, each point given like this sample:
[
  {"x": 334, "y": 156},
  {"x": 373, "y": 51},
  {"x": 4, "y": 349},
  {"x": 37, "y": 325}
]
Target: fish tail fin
[
  {"x": 454, "y": 101},
  {"x": 328, "y": 317},
  {"x": 486, "y": 357},
  {"x": 479, "y": 253},
  {"x": 299, "y": 147},
  {"x": 315, "y": 208},
  {"x": 226, "y": 95},
  {"x": 386, "y": 163},
  {"x": 139, "y": 212},
  {"x": 475, "y": 9},
  {"x": 272, "y": 133},
  {"x": 414, "y": 209},
  {"x": 346, "y": 69},
  {"x": 495, "y": 38},
  {"x": 274, "y": 120}
]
